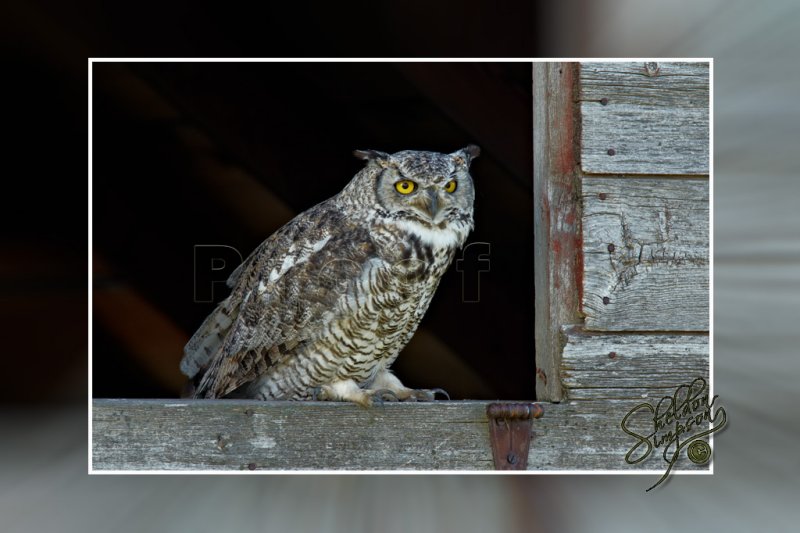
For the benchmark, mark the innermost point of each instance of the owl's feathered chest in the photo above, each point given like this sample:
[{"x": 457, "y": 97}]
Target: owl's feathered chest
[
  {"x": 384, "y": 306},
  {"x": 416, "y": 255},
  {"x": 375, "y": 317}
]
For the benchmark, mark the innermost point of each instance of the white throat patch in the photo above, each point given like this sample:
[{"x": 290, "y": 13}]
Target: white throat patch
[{"x": 438, "y": 238}]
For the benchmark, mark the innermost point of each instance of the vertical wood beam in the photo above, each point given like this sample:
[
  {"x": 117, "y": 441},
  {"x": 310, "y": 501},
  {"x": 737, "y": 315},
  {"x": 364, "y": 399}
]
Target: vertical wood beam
[{"x": 557, "y": 238}]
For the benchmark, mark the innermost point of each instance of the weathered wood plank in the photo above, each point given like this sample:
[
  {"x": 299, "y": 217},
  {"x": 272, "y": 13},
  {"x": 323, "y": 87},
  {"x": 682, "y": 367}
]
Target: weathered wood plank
[
  {"x": 557, "y": 267},
  {"x": 587, "y": 435},
  {"x": 645, "y": 254},
  {"x": 598, "y": 366},
  {"x": 643, "y": 119},
  {"x": 288, "y": 435},
  {"x": 243, "y": 434}
]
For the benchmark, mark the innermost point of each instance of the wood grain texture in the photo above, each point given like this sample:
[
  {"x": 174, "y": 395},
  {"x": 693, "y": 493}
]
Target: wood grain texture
[
  {"x": 244, "y": 435},
  {"x": 557, "y": 248},
  {"x": 627, "y": 366},
  {"x": 587, "y": 435},
  {"x": 655, "y": 119},
  {"x": 645, "y": 250},
  {"x": 226, "y": 434}
]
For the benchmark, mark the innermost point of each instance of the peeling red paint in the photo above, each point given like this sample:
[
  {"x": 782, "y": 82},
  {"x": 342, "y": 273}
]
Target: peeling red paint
[
  {"x": 542, "y": 376},
  {"x": 560, "y": 218},
  {"x": 565, "y": 238},
  {"x": 579, "y": 266},
  {"x": 566, "y": 129}
]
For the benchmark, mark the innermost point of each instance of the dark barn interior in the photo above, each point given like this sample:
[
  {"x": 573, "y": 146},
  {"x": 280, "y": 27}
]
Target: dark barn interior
[{"x": 188, "y": 154}]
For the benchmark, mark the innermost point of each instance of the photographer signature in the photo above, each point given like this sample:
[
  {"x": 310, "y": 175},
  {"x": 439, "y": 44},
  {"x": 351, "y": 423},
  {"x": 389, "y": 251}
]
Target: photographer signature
[{"x": 680, "y": 422}]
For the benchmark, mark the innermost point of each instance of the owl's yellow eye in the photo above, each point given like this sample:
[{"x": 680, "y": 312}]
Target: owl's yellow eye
[
  {"x": 451, "y": 186},
  {"x": 405, "y": 186}
]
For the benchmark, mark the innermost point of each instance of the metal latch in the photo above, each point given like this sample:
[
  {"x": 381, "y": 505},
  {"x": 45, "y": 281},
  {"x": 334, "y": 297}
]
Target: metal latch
[{"x": 510, "y": 433}]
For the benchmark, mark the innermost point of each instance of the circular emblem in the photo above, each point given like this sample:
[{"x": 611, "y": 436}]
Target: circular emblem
[{"x": 699, "y": 452}]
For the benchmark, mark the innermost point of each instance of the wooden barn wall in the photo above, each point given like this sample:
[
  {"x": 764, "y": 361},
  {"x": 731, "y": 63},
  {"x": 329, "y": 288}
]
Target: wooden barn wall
[
  {"x": 644, "y": 164},
  {"x": 645, "y": 250},
  {"x": 653, "y": 116}
]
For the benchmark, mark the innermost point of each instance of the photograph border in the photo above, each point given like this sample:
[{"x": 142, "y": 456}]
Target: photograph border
[{"x": 93, "y": 60}]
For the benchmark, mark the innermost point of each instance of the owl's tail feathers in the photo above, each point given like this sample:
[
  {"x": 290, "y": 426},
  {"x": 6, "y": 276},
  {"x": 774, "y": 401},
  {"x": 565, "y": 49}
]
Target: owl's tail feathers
[{"x": 207, "y": 341}]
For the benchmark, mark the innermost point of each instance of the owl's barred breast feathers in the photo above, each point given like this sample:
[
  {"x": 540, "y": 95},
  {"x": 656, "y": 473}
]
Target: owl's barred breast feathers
[{"x": 324, "y": 305}]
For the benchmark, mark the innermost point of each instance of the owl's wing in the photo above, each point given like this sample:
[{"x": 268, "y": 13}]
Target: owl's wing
[
  {"x": 287, "y": 293},
  {"x": 207, "y": 340}
]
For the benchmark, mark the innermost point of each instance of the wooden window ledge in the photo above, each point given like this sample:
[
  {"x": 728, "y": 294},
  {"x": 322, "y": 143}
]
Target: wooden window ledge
[{"x": 191, "y": 435}]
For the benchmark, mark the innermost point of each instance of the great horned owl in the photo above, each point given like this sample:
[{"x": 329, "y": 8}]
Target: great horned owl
[{"x": 322, "y": 308}]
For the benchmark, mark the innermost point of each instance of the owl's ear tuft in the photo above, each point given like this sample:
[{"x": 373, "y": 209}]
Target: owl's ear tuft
[
  {"x": 466, "y": 155},
  {"x": 370, "y": 155}
]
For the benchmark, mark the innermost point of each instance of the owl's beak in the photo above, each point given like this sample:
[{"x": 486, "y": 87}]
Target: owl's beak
[{"x": 432, "y": 203}]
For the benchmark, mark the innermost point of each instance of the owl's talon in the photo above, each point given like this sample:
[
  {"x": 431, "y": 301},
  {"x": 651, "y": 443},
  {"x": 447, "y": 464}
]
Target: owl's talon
[
  {"x": 381, "y": 395},
  {"x": 440, "y": 391},
  {"x": 315, "y": 393},
  {"x": 426, "y": 395}
]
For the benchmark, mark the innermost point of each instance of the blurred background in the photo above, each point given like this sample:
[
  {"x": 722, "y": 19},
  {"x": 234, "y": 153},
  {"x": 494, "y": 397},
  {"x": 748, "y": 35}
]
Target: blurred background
[{"x": 43, "y": 454}]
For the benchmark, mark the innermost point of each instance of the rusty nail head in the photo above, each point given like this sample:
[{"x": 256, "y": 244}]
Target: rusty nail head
[
  {"x": 611, "y": 151},
  {"x": 612, "y": 355},
  {"x": 611, "y": 247},
  {"x": 606, "y": 300},
  {"x": 604, "y": 101},
  {"x": 511, "y": 458},
  {"x": 602, "y": 196}
]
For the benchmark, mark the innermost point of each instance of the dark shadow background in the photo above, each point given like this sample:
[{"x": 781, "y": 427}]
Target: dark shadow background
[
  {"x": 191, "y": 154},
  {"x": 225, "y": 154}
]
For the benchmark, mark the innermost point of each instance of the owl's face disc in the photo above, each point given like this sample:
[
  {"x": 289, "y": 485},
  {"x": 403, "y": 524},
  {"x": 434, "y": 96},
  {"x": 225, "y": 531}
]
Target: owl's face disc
[{"x": 426, "y": 187}]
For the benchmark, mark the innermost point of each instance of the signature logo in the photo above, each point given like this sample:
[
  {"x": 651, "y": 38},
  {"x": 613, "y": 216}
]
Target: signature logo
[{"x": 681, "y": 421}]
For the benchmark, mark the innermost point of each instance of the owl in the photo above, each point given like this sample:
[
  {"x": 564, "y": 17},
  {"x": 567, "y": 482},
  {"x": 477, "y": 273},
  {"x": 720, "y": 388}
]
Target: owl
[{"x": 321, "y": 309}]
